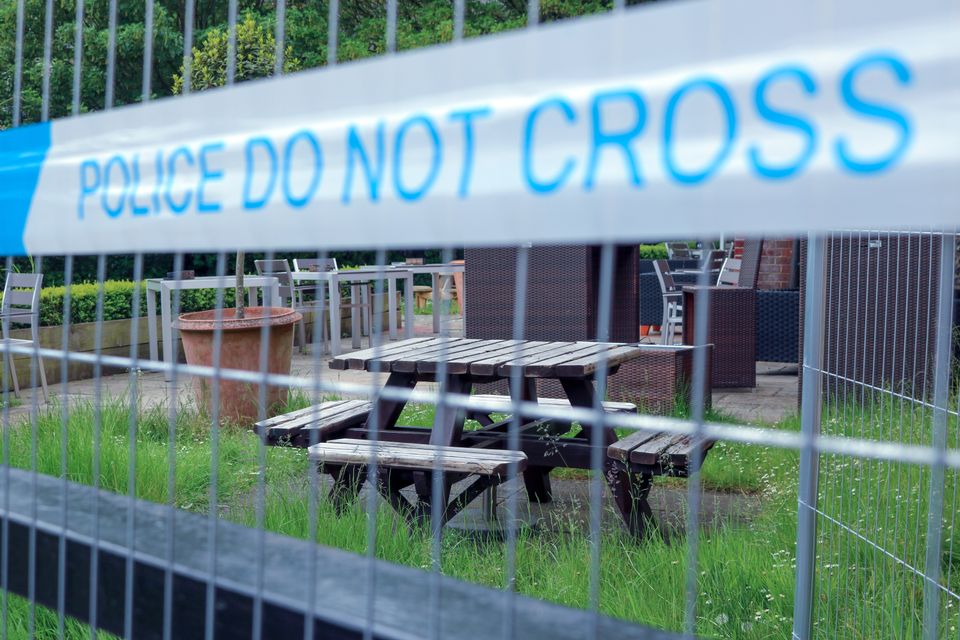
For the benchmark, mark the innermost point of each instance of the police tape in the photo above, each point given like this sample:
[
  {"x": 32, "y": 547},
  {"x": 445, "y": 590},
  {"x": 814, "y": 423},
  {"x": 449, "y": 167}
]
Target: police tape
[{"x": 655, "y": 122}]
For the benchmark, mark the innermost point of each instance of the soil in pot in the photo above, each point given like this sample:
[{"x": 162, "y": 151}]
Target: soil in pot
[{"x": 240, "y": 349}]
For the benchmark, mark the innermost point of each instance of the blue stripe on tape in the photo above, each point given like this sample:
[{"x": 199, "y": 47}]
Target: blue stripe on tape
[{"x": 22, "y": 152}]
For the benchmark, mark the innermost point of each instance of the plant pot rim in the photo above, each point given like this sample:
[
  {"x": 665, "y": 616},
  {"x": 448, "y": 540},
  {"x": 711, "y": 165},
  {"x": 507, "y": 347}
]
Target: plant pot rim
[{"x": 256, "y": 317}]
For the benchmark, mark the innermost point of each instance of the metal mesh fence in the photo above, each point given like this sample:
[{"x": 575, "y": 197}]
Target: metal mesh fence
[{"x": 150, "y": 492}]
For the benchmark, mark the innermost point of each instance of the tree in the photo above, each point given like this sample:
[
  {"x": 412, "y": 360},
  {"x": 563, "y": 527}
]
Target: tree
[{"x": 256, "y": 56}]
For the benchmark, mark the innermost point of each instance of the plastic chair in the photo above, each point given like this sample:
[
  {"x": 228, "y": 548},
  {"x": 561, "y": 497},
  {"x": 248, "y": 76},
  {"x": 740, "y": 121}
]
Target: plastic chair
[{"x": 21, "y": 306}]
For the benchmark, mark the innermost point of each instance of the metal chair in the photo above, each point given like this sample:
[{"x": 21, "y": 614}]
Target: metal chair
[
  {"x": 313, "y": 264},
  {"x": 730, "y": 273},
  {"x": 672, "y": 302},
  {"x": 21, "y": 306},
  {"x": 291, "y": 296}
]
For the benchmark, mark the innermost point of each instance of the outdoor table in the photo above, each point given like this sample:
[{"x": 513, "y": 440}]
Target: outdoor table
[
  {"x": 436, "y": 270},
  {"x": 333, "y": 279},
  {"x": 465, "y": 362},
  {"x": 162, "y": 288}
]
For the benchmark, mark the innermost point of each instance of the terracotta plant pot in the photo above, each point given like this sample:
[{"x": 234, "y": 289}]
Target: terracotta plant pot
[
  {"x": 644, "y": 329},
  {"x": 239, "y": 349}
]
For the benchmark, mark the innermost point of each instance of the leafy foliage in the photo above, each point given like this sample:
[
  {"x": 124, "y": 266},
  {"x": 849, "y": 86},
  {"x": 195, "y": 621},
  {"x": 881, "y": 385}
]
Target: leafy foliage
[
  {"x": 256, "y": 56},
  {"x": 118, "y": 301}
]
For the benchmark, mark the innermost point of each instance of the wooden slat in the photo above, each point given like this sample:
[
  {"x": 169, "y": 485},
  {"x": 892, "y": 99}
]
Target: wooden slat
[
  {"x": 620, "y": 450},
  {"x": 488, "y": 366},
  {"x": 361, "y": 359},
  {"x": 563, "y": 349},
  {"x": 285, "y": 417},
  {"x": 415, "y": 352},
  {"x": 506, "y": 401},
  {"x": 357, "y": 359},
  {"x": 326, "y": 416},
  {"x": 650, "y": 452},
  {"x": 543, "y": 368},
  {"x": 410, "y": 364},
  {"x": 417, "y": 456},
  {"x": 20, "y": 298},
  {"x": 680, "y": 451},
  {"x": 583, "y": 367},
  {"x": 459, "y": 363}
]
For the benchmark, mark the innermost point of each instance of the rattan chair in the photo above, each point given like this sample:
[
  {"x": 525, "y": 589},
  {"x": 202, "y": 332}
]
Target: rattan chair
[
  {"x": 672, "y": 302},
  {"x": 21, "y": 306}
]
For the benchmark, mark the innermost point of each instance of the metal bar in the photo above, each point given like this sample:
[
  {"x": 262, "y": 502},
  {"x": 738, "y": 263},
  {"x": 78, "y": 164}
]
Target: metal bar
[
  {"x": 941, "y": 398},
  {"x": 469, "y": 611},
  {"x": 811, "y": 405}
]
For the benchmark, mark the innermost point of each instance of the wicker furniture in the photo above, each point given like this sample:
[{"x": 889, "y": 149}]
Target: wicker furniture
[
  {"x": 731, "y": 329},
  {"x": 659, "y": 378},
  {"x": 778, "y": 325}
]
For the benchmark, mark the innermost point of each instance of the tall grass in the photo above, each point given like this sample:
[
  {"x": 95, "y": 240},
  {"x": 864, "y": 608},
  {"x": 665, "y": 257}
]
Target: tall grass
[{"x": 745, "y": 565}]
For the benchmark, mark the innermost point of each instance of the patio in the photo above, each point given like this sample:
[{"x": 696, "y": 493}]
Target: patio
[{"x": 774, "y": 398}]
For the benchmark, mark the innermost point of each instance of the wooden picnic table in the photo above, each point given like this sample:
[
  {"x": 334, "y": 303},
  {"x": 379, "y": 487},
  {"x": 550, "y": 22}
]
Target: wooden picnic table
[{"x": 460, "y": 363}]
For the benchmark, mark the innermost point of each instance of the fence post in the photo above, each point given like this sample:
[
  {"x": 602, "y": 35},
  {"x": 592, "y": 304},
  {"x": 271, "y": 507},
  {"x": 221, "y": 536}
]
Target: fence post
[
  {"x": 810, "y": 405},
  {"x": 941, "y": 393}
]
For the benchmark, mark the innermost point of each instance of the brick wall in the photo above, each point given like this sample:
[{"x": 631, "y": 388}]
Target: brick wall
[{"x": 776, "y": 264}]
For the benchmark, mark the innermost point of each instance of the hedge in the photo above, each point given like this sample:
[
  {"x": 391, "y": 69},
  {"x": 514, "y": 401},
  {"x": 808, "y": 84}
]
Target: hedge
[
  {"x": 117, "y": 302},
  {"x": 653, "y": 252},
  {"x": 120, "y": 267}
]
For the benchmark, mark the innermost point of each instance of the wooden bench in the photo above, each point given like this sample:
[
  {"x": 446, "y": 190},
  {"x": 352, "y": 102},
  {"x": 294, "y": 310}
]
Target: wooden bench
[
  {"x": 644, "y": 454},
  {"x": 403, "y": 463},
  {"x": 661, "y": 454},
  {"x": 482, "y": 401},
  {"x": 316, "y": 423}
]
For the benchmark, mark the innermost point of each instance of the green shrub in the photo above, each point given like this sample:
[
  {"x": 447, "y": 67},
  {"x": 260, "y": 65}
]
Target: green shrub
[
  {"x": 117, "y": 301},
  {"x": 653, "y": 252}
]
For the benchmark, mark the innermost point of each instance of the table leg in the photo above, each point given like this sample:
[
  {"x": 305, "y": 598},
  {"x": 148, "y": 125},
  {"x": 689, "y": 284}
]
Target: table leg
[
  {"x": 448, "y": 422},
  {"x": 408, "y": 305},
  {"x": 536, "y": 479},
  {"x": 388, "y": 410},
  {"x": 334, "y": 285},
  {"x": 629, "y": 493},
  {"x": 252, "y": 297},
  {"x": 392, "y": 306},
  {"x": 355, "y": 330},
  {"x": 152, "y": 324},
  {"x": 366, "y": 315},
  {"x": 435, "y": 301},
  {"x": 166, "y": 332}
]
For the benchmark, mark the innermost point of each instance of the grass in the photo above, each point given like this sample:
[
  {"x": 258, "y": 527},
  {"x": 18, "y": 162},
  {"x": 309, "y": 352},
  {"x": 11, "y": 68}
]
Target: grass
[
  {"x": 447, "y": 307},
  {"x": 10, "y": 402},
  {"x": 745, "y": 565}
]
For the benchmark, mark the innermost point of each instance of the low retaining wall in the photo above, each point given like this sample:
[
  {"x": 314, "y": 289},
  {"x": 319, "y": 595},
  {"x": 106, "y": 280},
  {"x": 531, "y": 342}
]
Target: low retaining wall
[{"x": 116, "y": 340}]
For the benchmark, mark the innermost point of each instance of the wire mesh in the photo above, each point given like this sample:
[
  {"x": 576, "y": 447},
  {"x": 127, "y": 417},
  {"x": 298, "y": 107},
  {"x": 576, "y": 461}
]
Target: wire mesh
[{"x": 872, "y": 459}]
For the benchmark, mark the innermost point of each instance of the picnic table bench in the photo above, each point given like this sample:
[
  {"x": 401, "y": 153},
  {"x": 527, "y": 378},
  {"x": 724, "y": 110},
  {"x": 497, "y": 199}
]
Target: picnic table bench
[{"x": 345, "y": 437}]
